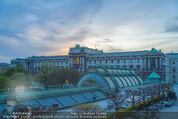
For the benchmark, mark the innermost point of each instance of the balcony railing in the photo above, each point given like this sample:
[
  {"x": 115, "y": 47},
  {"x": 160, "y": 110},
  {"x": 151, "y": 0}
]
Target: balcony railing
[{"x": 61, "y": 88}]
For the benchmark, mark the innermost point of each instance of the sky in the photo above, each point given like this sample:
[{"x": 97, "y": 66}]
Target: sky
[{"x": 51, "y": 27}]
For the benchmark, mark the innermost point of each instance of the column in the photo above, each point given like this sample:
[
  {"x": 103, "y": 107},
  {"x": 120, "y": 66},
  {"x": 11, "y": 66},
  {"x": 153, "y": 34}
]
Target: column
[
  {"x": 70, "y": 62},
  {"x": 148, "y": 63},
  {"x": 156, "y": 63}
]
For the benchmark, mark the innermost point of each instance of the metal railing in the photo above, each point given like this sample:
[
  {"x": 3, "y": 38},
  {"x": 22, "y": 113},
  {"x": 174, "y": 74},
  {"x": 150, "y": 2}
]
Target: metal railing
[{"x": 53, "y": 88}]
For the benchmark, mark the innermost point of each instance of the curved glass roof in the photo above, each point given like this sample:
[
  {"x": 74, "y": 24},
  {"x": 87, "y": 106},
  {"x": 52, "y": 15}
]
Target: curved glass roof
[{"x": 111, "y": 79}]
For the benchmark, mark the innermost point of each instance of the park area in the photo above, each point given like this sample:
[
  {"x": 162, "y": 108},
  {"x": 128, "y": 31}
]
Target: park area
[{"x": 163, "y": 105}]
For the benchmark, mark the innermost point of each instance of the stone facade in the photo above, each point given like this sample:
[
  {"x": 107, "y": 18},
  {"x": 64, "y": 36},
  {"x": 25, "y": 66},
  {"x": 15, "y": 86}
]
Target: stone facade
[
  {"x": 4, "y": 66},
  {"x": 142, "y": 62}
]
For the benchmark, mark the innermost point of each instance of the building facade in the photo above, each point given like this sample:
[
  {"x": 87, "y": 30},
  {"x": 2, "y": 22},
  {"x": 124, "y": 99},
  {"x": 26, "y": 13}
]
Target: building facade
[
  {"x": 4, "y": 66},
  {"x": 173, "y": 66},
  {"x": 16, "y": 61},
  {"x": 142, "y": 62}
]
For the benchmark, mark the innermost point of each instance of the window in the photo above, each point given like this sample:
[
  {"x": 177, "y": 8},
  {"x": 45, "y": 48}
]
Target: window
[
  {"x": 118, "y": 61},
  {"x": 89, "y": 62},
  {"x": 77, "y": 60},
  {"x": 131, "y": 67},
  {"x": 174, "y": 70},
  {"x": 95, "y": 61},
  {"x": 106, "y": 61},
  {"x": 124, "y": 60},
  {"x": 131, "y": 60},
  {"x": 174, "y": 76},
  {"x": 124, "y": 66},
  {"x": 173, "y": 63},
  {"x": 138, "y": 67},
  {"x": 100, "y": 61},
  {"x": 66, "y": 62},
  {"x": 112, "y": 61},
  {"x": 138, "y": 60}
]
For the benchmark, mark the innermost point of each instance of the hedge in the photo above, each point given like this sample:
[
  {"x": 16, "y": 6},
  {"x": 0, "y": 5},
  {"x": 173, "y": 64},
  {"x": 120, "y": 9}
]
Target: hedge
[{"x": 127, "y": 112}]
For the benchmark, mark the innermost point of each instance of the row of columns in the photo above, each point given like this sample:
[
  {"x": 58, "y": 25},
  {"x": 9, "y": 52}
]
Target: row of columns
[{"x": 147, "y": 62}]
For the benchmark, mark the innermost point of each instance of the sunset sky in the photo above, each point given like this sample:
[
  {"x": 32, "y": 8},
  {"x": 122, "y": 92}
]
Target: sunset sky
[{"x": 51, "y": 27}]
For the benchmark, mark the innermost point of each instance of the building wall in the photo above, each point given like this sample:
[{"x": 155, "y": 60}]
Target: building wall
[
  {"x": 4, "y": 66},
  {"x": 173, "y": 67},
  {"x": 142, "y": 62}
]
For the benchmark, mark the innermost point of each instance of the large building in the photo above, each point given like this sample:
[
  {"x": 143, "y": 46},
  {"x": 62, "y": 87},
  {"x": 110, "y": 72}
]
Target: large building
[
  {"x": 4, "y": 66},
  {"x": 81, "y": 58}
]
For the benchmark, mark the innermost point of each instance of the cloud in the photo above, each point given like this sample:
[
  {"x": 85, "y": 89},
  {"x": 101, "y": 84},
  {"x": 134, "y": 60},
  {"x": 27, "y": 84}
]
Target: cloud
[
  {"x": 111, "y": 48},
  {"x": 172, "y": 25},
  {"x": 172, "y": 28},
  {"x": 50, "y": 27},
  {"x": 39, "y": 27}
]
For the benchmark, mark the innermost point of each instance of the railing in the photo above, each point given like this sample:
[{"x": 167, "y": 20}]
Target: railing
[{"x": 47, "y": 88}]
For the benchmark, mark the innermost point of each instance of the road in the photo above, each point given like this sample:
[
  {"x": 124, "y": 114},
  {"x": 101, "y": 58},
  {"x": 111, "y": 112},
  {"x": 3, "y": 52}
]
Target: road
[{"x": 170, "y": 112}]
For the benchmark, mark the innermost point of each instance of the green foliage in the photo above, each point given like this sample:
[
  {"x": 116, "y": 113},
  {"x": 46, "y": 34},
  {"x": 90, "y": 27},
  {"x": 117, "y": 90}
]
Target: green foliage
[
  {"x": 17, "y": 69},
  {"x": 124, "y": 113},
  {"x": 19, "y": 78},
  {"x": 49, "y": 75},
  {"x": 5, "y": 83},
  {"x": 87, "y": 107},
  {"x": 14, "y": 76}
]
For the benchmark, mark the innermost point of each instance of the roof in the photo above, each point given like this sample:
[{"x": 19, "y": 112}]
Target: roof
[
  {"x": 154, "y": 75},
  {"x": 48, "y": 57},
  {"x": 154, "y": 50},
  {"x": 133, "y": 53},
  {"x": 153, "y": 78},
  {"x": 172, "y": 55},
  {"x": 111, "y": 79},
  {"x": 3, "y": 63},
  {"x": 62, "y": 98}
]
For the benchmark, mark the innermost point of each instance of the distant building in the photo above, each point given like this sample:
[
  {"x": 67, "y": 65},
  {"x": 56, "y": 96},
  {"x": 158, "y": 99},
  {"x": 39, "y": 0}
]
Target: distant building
[
  {"x": 16, "y": 61},
  {"x": 81, "y": 58},
  {"x": 4, "y": 66},
  {"x": 173, "y": 66}
]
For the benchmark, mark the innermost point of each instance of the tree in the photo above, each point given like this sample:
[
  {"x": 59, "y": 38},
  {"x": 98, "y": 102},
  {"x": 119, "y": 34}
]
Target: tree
[
  {"x": 49, "y": 75},
  {"x": 5, "y": 83},
  {"x": 19, "y": 78},
  {"x": 60, "y": 75},
  {"x": 17, "y": 69},
  {"x": 0, "y": 73},
  {"x": 157, "y": 89},
  {"x": 151, "y": 92},
  {"x": 43, "y": 74},
  {"x": 116, "y": 101},
  {"x": 143, "y": 91},
  {"x": 132, "y": 94}
]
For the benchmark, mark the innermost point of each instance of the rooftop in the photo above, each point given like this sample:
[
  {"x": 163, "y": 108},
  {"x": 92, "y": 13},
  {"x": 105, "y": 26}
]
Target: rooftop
[{"x": 133, "y": 53}]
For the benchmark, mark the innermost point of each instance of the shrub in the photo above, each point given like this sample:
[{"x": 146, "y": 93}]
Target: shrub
[{"x": 124, "y": 113}]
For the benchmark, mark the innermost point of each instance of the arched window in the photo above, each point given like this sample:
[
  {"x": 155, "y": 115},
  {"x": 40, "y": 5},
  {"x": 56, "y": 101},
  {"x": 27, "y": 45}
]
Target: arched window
[
  {"x": 124, "y": 66},
  {"x": 138, "y": 67},
  {"x": 131, "y": 67}
]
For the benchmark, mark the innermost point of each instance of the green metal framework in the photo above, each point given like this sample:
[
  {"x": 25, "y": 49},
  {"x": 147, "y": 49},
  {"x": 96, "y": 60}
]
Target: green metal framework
[{"x": 115, "y": 78}]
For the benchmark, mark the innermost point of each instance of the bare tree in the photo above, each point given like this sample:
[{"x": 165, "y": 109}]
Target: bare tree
[
  {"x": 144, "y": 93},
  {"x": 151, "y": 92},
  {"x": 132, "y": 94},
  {"x": 157, "y": 89},
  {"x": 116, "y": 101}
]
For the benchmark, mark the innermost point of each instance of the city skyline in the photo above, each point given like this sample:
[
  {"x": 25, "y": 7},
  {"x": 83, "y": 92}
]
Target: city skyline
[{"x": 51, "y": 27}]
